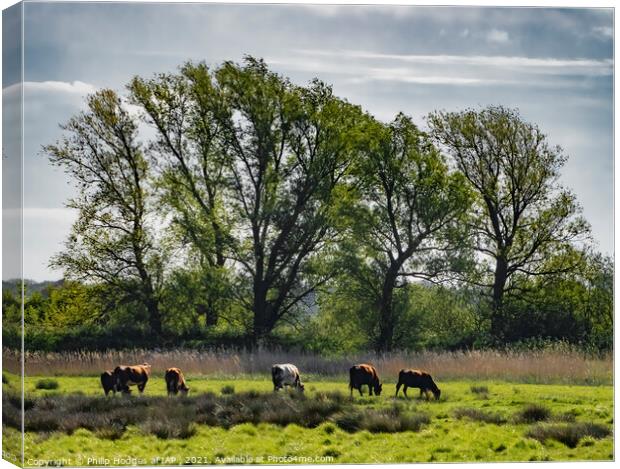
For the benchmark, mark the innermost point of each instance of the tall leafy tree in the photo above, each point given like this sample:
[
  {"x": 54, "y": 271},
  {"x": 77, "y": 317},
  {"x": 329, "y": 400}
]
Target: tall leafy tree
[
  {"x": 523, "y": 216},
  {"x": 113, "y": 240},
  {"x": 190, "y": 154},
  {"x": 289, "y": 149},
  {"x": 407, "y": 224}
]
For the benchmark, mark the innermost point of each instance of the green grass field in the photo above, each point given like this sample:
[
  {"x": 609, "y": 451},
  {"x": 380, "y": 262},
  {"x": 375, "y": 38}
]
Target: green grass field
[{"x": 455, "y": 432}]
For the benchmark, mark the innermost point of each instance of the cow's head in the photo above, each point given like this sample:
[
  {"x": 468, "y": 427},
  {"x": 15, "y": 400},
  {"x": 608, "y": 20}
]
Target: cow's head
[
  {"x": 436, "y": 393},
  {"x": 301, "y": 386},
  {"x": 184, "y": 390},
  {"x": 378, "y": 388}
]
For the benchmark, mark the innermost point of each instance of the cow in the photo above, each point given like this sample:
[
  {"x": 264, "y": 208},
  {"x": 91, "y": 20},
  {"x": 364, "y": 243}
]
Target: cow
[
  {"x": 108, "y": 382},
  {"x": 126, "y": 376},
  {"x": 286, "y": 374},
  {"x": 417, "y": 379},
  {"x": 360, "y": 375},
  {"x": 175, "y": 382}
]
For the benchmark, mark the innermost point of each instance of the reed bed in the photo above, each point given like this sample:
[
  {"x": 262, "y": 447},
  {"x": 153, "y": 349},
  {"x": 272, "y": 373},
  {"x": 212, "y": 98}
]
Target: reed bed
[{"x": 546, "y": 366}]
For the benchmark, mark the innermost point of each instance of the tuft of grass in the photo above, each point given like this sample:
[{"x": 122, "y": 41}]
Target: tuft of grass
[
  {"x": 479, "y": 415},
  {"x": 568, "y": 434},
  {"x": 532, "y": 413},
  {"x": 47, "y": 383},
  {"x": 479, "y": 389},
  {"x": 390, "y": 420},
  {"x": 228, "y": 389}
]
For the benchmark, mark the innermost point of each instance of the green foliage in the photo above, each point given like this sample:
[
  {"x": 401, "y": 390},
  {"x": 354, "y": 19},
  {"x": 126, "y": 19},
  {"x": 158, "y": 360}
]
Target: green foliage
[
  {"x": 479, "y": 415},
  {"x": 228, "y": 389},
  {"x": 523, "y": 217},
  {"x": 569, "y": 434},
  {"x": 532, "y": 413},
  {"x": 263, "y": 212},
  {"x": 112, "y": 242},
  {"x": 47, "y": 384}
]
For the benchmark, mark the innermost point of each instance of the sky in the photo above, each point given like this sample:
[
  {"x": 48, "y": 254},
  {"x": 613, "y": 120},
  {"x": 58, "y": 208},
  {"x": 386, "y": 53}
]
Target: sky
[{"x": 554, "y": 65}]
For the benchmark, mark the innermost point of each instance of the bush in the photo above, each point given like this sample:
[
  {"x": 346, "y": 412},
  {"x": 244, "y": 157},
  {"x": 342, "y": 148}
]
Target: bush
[
  {"x": 176, "y": 418},
  {"x": 569, "y": 434},
  {"x": 479, "y": 389},
  {"x": 228, "y": 389},
  {"x": 532, "y": 413},
  {"x": 47, "y": 383},
  {"x": 479, "y": 415}
]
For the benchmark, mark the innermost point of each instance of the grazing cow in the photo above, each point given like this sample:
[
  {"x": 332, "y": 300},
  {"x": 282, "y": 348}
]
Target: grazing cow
[
  {"x": 360, "y": 375},
  {"x": 175, "y": 382},
  {"x": 286, "y": 375},
  {"x": 417, "y": 379},
  {"x": 126, "y": 376},
  {"x": 108, "y": 382}
]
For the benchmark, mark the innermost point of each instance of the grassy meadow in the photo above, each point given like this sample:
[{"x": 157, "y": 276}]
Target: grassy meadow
[{"x": 236, "y": 418}]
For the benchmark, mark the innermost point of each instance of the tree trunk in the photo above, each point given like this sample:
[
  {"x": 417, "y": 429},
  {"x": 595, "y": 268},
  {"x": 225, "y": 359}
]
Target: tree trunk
[
  {"x": 499, "y": 284},
  {"x": 154, "y": 316},
  {"x": 262, "y": 323},
  {"x": 385, "y": 342}
]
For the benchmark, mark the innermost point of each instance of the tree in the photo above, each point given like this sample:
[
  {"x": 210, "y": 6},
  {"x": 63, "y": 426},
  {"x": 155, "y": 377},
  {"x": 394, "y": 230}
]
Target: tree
[
  {"x": 522, "y": 215},
  {"x": 407, "y": 223},
  {"x": 289, "y": 148},
  {"x": 189, "y": 152},
  {"x": 112, "y": 242}
]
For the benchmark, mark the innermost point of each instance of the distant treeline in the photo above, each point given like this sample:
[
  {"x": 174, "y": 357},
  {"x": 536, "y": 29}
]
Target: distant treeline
[
  {"x": 73, "y": 316},
  {"x": 260, "y": 211}
]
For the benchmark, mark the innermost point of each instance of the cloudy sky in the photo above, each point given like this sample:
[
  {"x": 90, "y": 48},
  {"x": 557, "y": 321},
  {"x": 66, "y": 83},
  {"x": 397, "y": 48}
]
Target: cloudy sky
[{"x": 554, "y": 65}]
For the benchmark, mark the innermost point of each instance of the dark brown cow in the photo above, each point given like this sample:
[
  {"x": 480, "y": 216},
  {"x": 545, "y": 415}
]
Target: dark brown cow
[
  {"x": 360, "y": 375},
  {"x": 126, "y": 376},
  {"x": 108, "y": 383},
  {"x": 417, "y": 379},
  {"x": 175, "y": 382}
]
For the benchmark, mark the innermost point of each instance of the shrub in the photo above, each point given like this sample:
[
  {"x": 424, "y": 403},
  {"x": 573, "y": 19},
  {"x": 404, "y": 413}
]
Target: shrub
[
  {"x": 47, "y": 383},
  {"x": 165, "y": 430},
  {"x": 532, "y": 413},
  {"x": 479, "y": 415},
  {"x": 350, "y": 420},
  {"x": 569, "y": 434},
  {"x": 479, "y": 389},
  {"x": 228, "y": 389}
]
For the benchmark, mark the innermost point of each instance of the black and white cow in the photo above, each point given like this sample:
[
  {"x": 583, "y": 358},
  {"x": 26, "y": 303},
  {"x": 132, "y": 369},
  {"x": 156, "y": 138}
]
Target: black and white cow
[{"x": 286, "y": 375}]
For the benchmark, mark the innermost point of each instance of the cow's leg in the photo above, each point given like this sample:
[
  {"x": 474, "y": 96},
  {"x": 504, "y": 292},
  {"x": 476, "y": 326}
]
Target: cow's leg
[
  {"x": 405, "y": 391},
  {"x": 360, "y": 390},
  {"x": 370, "y": 389},
  {"x": 397, "y": 388}
]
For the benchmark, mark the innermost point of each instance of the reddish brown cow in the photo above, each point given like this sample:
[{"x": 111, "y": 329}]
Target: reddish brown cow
[
  {"x": 417, "y": 379},
  {"x": 126, "y": 376},
  {"x": 175, "y": 382},
  {"x": 360, "y": 375}
]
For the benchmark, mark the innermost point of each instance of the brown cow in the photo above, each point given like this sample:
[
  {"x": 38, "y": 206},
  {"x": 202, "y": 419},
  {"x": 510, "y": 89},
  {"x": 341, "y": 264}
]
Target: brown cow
[
  {"x": 126, "y": 376},
  {"x": 175, "y": 382},
  {"x": 108, "y": 382},
  {"x": 417, "y": 379},
  {"x": 360, "y": 375}
]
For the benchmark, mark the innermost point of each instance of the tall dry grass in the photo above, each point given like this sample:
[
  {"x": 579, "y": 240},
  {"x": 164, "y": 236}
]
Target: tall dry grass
[{"x": 546, "y": 366}]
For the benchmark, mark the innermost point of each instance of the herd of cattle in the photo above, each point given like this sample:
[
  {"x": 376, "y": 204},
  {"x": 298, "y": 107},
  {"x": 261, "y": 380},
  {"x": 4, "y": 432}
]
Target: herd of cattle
[{"x": 122, "y": 377}]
